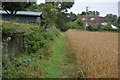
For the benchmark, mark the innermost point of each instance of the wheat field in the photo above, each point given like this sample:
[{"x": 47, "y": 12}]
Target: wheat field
[{"x": 97, "y": 52}]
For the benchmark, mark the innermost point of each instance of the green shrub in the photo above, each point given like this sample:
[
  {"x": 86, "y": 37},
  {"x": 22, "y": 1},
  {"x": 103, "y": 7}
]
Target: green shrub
[
  {"x": 40, "y": 39},
  {"x": 102, "y": 28},
  {"x": 37, "y": 42},
  {"x": 78, "y": 24},
  {"x": 21, "y": 66},
  {"x": 14, "y": 29}
]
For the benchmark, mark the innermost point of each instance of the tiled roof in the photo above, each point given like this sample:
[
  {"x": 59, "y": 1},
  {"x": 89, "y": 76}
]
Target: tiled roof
[
  {"x": 97, "y": 19},
  {"x": 24, "y": 13}
]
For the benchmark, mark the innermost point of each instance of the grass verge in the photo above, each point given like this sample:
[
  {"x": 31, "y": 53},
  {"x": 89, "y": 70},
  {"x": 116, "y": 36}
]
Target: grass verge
[
  {"x": 52, "y": 66},
  {"x": 63, "y": 62}
]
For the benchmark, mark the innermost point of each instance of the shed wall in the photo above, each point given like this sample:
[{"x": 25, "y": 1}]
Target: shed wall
[{"x": 22, "y": 18}]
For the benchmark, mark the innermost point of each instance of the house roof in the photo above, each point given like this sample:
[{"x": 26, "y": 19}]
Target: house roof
[
  {"x": 38, "y": 14},
  {"x": 102, "y": 19},
  {"x": 97, "y": 19}
]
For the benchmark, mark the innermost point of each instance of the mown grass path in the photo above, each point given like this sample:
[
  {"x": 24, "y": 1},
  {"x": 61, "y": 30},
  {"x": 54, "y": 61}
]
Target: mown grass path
[
  {"x": 62, "y": 61},
  {"x": 52, "y": 66}
]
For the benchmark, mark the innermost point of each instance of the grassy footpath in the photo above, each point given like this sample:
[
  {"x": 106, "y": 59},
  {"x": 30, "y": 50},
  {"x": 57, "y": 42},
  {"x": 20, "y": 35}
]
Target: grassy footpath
[
  {"x": 62, "y": 62},
  {"x": 52, "y": 66}
]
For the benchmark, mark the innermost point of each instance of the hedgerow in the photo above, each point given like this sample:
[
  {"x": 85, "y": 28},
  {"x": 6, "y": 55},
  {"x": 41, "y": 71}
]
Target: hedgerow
[
  {"x": 78, "y": 24},
  {"x": 37, "y": 42}
]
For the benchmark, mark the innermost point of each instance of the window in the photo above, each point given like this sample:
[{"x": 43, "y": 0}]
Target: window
[
  {"x": 104, "y": 23},
  {"x": 83, "y": 18},
  {"x": 92, "y": 19}
]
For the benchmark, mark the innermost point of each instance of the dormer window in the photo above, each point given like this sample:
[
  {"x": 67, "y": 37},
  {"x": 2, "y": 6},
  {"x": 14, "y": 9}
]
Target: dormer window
[
  {"x": 92, "y": 19},
  {"x": 104, "y": 23},
  {"x": 83, "y": 18}
]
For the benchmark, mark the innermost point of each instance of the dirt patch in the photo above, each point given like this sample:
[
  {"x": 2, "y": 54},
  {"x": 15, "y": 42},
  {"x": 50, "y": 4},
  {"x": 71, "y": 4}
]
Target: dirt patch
[{"x": 97, "y": 52}]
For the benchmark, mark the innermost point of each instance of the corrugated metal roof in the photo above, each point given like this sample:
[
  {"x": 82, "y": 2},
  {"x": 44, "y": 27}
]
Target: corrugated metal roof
[{"x": 24, "y": 13}]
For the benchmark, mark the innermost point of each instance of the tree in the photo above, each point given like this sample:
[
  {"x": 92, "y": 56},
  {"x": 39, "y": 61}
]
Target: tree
[
  {"x": 63, "y": 16},
  {"x": 112, "y": 18},
  {"x": 97, "y": 13},
  {"x": 83, "y": 13},
  {"x": 91, "y": 13},
  {"x": 12, "y": 7},
  {"x": 72, "y": 16},
  {"x": 64, "y": 6},
  {"x": 55, "y": 13},
  {"x": 50, "y": 13}
]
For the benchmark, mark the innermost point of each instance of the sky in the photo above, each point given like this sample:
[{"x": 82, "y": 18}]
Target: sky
[{"x": 103, "y": 6}]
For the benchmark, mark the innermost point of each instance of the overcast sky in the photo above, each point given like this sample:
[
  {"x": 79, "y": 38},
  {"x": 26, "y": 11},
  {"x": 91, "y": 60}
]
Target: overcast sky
[{"x": 103, "y": 6}]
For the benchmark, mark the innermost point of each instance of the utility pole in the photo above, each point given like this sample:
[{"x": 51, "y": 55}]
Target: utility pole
[{"x": 86, "y": 17}]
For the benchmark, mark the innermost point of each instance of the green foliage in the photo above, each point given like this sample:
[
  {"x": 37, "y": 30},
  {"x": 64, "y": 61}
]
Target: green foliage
[
  {"x": 83, "y": 13},
  {"x": 62, "y": 6},
  {"x": 40, "y": 39},
  {"x": 72, "y": 16},
  {"x": 52, "y": 66},
  {"x": 55, "y": 13},
  {"x": 21, "y": 66},
  {"x": 112, "y": 18},
  {"x": 65, "y": 5},
  {"x": 59, "y": 63},
  {"x": 90, "y": 28},
  {"x": 107, "y": 28},
  {"x": 91, "y": 13},
  {"x": 37, "y": 42},
  {"x": 49, "y": 11},
  {"x": 78, "y": 24},
  {"x": 12, "y": 28},
  {"x": 13, "y": 7},
  {"x": 64, "y": 18}
]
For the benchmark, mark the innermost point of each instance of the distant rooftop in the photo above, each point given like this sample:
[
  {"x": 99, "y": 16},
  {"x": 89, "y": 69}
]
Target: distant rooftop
[
  {"x": 24, "y": 13},
  {"x": 96, "y": 19}
]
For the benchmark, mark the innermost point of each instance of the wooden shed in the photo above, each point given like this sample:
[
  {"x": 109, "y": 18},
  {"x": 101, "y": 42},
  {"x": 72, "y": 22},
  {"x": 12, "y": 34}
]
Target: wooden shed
[{"x": 24, "y": 17}]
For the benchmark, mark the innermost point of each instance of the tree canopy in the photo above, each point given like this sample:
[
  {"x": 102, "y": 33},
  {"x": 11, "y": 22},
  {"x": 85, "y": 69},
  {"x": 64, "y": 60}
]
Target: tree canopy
[
  {"x": 55, "y": 13},
  {"x": 112, "y": 18},
  {"x": 49, "y": 13},
  {"x": 12, "y": 7},
  {"x": 91, "y": 13}
]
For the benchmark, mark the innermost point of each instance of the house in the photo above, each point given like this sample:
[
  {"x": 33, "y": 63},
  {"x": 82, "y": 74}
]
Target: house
[
  {"x": 24, "y": 17},
  {"x": 94, "y": 20}
]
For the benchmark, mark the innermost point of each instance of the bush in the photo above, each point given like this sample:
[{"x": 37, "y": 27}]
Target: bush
[
  {"x": 78, "y": 24},
  {"x": 90, "y": 28},
  {"x": 21, "y": 66},
  {"x": 37, "y": 42},
  {"x": 16, "y": 29},
  {"x": 35, "y": 37},
  {"x": 102, "y": 28},
  {"x": 40, "y": 39}
]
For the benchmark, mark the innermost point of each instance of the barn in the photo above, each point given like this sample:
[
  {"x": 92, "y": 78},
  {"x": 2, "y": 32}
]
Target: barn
[{"x": 24, "y": 17}]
